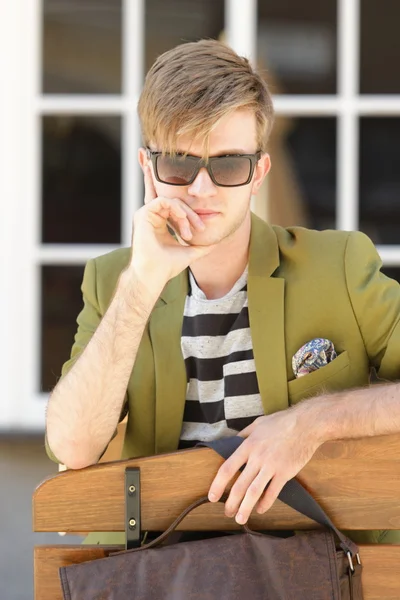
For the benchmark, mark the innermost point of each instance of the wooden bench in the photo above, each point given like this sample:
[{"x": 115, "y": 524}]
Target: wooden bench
[{"x": 357, "y": 483}]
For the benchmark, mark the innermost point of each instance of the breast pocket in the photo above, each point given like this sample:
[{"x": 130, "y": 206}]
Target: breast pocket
[{"x": 334, "y": 376}]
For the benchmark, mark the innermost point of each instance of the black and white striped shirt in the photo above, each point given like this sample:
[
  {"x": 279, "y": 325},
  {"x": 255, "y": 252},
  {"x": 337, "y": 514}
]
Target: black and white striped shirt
[{"x": 222, "y": 392}]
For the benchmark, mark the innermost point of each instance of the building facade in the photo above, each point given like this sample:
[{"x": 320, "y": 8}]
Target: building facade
[{"x": 72, "y": 74}]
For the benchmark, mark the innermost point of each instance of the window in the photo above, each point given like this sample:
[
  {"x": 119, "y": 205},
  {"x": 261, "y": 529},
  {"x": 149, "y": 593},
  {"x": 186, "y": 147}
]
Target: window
[
  {"x": 82, "y": 47},
  {"x": 81, "y": 180},
  {"x": 297, "y": 45}
]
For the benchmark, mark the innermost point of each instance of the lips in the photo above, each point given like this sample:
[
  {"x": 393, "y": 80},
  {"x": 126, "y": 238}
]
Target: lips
[{"x": 204, "y": 213}]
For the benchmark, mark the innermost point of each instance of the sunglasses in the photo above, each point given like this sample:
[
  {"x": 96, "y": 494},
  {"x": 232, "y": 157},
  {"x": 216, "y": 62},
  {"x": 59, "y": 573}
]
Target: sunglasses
[{"x": 231, "y": 170}]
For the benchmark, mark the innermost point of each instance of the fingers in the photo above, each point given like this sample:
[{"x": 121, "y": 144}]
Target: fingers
[
  {"x": 181, "y": 227},
  {"x": 239, "y": 489},
  {"x": 163, "y": 212},
  {"x": 186, "y": 220},
  {"x": 192, "y": 220},
  {"x": 181, "y": 221},
  {"x": 271, "y": 494},
  {"x": 254, "y": 492},
  {"x": 149, "y": 189},
  {"x": 177, "y": 214},
  {"x": 227, "y": 471}
]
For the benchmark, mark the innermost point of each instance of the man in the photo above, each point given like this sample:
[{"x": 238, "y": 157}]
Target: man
[{"x": 193, "y": 334}]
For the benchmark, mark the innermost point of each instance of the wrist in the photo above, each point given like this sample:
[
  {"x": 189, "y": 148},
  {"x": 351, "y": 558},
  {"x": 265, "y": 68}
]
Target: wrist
[
  {"x": 138, "y": 291},
  {"x": 317, "y": 417}
]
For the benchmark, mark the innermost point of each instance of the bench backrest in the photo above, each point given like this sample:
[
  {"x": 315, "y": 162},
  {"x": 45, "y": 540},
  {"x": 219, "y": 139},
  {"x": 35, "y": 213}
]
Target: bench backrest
[{"x": 357, "y": 483}]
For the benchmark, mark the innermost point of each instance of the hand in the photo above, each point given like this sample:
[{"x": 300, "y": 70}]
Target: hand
[
  {"x": 276, "y": 448},
  {"x": 156, "y": 254}
]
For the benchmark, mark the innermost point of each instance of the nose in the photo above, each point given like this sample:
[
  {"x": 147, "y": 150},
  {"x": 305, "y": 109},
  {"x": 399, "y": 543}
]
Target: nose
[{"x": 202, "y": 186}]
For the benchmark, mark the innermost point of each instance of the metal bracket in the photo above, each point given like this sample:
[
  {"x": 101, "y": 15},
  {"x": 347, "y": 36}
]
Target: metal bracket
[{"x": 132, "y": 508}]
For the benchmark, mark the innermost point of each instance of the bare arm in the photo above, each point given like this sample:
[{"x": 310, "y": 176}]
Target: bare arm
[
  {"x": 277, "y": 446},
  {"x": 84, "y": 408},
  {"x": 363, "y": 412}
]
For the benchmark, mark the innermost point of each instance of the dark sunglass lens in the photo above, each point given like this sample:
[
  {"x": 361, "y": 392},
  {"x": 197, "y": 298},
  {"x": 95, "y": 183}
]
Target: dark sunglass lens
[
  {"x": 231, "y": 170},
  {"x": 175, "y": 170}
]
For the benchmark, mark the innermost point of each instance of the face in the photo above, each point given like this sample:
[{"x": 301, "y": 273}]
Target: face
[{"x": 224, "y": 210}]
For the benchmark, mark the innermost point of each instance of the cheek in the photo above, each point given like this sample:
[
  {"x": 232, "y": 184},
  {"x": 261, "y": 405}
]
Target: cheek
[
  {"x": 238, "y": 198},
  {"x": 170, "y": 191}
]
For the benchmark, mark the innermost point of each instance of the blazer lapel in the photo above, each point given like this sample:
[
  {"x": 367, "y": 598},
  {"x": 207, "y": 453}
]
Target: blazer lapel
[
  {"x": 266, "y": 315},
  {"x": 170, "y": 372}
]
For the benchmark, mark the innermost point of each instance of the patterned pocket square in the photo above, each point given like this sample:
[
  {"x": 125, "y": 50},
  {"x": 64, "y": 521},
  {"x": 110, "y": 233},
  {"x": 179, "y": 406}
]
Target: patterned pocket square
[{"x": 315, "y": 354}]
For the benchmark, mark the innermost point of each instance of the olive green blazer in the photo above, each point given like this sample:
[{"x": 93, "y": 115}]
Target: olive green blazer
[{"x": 302, "y": 284}]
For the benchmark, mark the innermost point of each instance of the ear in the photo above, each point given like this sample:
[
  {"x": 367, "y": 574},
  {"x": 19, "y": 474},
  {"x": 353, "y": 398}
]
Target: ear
[
  {"x": 142, "y": 157},
  {"x": 260, "y": 172}
]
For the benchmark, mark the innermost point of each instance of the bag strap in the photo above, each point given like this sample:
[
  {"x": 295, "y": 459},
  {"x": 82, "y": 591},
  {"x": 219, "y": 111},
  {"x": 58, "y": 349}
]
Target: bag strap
[
  {"x": 293, "y": 494},
  {"x": 163, "y": 536}
]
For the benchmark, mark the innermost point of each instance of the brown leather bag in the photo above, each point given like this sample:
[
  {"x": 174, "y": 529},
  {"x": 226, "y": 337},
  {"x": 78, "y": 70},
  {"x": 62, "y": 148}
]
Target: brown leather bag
[{"x": 311, "y": 565}]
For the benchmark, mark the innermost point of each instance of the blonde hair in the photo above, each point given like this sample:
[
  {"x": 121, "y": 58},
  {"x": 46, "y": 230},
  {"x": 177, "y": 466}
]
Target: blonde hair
[{"x": 190, "y": 88}]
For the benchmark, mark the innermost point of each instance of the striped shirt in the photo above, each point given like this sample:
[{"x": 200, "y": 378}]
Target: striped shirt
[{"x": 222, "y": 390}]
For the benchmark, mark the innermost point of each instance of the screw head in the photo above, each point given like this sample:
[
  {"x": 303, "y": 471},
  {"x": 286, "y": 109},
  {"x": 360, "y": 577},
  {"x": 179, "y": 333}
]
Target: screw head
[
  {"x": 132, "y": 489},
  {"x": 132, "y": 523}
]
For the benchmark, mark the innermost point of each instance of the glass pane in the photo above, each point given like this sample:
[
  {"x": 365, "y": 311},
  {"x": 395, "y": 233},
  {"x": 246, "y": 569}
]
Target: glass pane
[
  {"x": 380, "y": 50},
  {"x": 173, "y": 22},
  {"x": 380, "y": 179},
  {"x": 82, "y": 46},
  {"x": 393, "y": 272},
  {"x": 302, "y": 181},
  {"x": 61, "y": 304},
  {"x": 297, "y": 45},
  {"x": 81, "y": 180}
]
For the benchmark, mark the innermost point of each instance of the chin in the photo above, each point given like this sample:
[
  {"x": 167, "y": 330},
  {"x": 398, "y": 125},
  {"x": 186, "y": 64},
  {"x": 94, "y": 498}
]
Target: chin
[{"x": 206, "y": 239}]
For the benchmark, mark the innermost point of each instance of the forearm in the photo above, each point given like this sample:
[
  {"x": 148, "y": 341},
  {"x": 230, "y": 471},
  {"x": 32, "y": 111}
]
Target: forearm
[
  {"x": 362, "y": 412},
  {"x": 85, "y": 406}
]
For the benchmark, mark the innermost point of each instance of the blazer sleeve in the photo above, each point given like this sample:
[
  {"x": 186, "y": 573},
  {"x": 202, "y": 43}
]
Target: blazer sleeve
[
  {"x": 375, "y": 300},
  {"x": 88, "y": 320}
]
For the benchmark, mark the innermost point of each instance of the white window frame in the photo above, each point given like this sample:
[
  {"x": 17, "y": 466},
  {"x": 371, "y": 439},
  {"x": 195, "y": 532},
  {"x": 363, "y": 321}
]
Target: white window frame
[{"x": 22, "y": 407}]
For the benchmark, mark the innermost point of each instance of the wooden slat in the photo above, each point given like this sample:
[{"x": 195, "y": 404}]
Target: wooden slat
[
  {"x": 381, "y": 574},
  {"x": 48, "y": 560},
  {"x": 381, "y": 577},
  {"x": 355, "y": 481}
]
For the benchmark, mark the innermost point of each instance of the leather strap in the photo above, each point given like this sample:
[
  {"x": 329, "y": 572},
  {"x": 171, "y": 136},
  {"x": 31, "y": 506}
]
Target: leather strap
[{"x": 163, "y": 536}]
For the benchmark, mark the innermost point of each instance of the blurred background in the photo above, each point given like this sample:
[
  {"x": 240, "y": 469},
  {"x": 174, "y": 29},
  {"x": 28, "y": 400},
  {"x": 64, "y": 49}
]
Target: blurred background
[{"x": 71, "y": 74}]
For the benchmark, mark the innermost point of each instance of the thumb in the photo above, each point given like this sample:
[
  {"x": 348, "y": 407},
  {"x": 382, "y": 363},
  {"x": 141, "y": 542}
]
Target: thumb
[{"x": 196, "y": 252}]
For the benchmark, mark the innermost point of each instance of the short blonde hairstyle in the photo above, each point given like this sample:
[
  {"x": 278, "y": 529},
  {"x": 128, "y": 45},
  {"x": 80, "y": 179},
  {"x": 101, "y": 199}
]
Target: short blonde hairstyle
[{"x": 190, "y": 88}]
